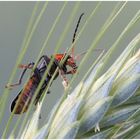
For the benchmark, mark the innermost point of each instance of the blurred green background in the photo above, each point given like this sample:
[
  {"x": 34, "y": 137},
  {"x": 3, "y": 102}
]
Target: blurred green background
[{"x": 14, "y": 18}]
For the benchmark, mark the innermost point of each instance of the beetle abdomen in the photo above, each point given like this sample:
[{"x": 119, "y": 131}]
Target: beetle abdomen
[{"x": 23, "y": 99}]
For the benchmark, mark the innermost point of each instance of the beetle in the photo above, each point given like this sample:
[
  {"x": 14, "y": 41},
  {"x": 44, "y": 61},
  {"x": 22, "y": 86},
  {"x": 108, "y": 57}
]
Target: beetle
[{"x": 22, "y": 101}]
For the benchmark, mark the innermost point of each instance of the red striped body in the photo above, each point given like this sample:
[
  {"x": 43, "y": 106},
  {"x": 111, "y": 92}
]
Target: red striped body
[{"x": 22, "y": 101}]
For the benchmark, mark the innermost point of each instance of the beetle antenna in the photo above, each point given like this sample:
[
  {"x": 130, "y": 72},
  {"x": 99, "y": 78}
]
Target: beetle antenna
[
  {"x": 74, "y": 35},
  {"x": 80, "y": 55}
]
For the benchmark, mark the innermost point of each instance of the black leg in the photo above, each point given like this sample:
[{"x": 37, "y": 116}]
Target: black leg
[
  {"x": 39, "y": 69},
  {"x": 45, "y": 57}
]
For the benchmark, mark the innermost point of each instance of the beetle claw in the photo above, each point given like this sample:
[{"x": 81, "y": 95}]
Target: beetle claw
[
  {"x": 8, "y": 87},
  {"x": 65, "y": 84}
]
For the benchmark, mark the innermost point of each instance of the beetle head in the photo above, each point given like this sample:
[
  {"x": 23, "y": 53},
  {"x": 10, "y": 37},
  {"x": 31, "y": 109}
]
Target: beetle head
[{"x": 69, "y": 61}]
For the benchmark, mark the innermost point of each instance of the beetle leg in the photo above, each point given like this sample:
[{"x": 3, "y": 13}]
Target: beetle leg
[
  {"x": 65, "y": 81},
  {"x": 21, "y": 77},
  {"x": 25, "y": 66},
  {"x": 46, "y": 59}
]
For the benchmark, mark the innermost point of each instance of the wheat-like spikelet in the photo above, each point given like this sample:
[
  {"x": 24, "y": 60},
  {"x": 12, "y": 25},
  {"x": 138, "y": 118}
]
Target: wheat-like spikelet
[{"x": 98, "y": 108}]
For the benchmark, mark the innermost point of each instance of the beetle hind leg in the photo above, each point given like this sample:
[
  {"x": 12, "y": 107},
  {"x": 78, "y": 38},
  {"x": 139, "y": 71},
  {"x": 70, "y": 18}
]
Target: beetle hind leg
[{"x": 10, "y": 86}]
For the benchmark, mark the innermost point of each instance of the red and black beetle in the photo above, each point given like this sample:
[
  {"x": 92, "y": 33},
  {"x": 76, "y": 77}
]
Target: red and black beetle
[{"x": 25, "y": 96}]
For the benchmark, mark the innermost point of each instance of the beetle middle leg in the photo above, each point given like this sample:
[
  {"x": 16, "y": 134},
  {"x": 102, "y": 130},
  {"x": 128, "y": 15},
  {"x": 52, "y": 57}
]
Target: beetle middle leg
[
  {"x": 26, "y": 66},
  {"x": 21, "y": 77}
]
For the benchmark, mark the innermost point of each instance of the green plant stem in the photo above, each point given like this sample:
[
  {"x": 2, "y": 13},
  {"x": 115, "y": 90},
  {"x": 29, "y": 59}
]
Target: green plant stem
[
  {"x": 49, "y": 34},
  {"x": 84, "y": 26},
  {"x": 111, "y": 18},
  {"x": 23, "y": 44},
  {"x": 103, "y": 29},
  {"x": 5, "y": 94},
  {"x": 22, "y": 55},
  {"x": 126, "y": 29}
]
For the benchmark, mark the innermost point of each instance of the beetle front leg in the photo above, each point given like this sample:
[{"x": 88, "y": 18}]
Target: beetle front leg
[
  {"x": 65, "y": 81},
  {"x": 73, "y": 71},
  {"x": 21, "y": 77}
]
